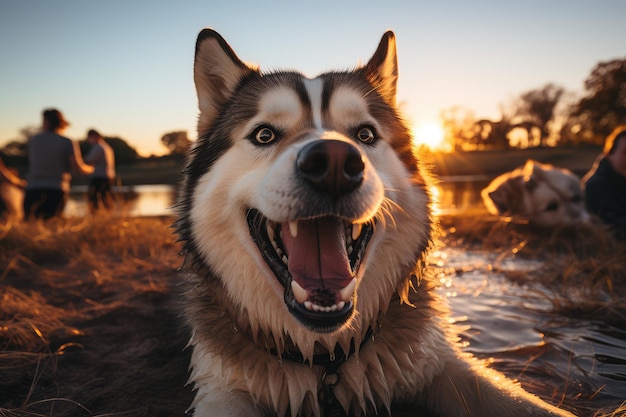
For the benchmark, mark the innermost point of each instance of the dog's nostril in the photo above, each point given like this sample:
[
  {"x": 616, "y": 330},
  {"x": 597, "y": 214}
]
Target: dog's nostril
[
  {"x": 331, "y": 166},
  {"x": 354, "y": 165},
  {"x": 313, "y": 163}
]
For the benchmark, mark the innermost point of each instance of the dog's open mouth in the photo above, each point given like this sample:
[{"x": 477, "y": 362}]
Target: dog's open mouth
[{"x": 316, "y": 261}]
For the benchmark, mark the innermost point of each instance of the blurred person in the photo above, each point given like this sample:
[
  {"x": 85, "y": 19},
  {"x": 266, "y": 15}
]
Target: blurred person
[
  {"x": 102, "y": 158},
  {"x": 605, "y": 183},
  {"x": 51, "y": 160},
  {"x": 11, "y": 194}
]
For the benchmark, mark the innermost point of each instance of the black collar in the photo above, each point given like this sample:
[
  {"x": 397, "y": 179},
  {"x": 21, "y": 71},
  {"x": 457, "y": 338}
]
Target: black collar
[{"x": 330, "y": 361}]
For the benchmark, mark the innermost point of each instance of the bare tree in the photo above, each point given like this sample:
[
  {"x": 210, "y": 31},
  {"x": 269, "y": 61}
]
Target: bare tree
[
  {"x": 457, "y": 124},
  {"x": 538, "y": 108}
]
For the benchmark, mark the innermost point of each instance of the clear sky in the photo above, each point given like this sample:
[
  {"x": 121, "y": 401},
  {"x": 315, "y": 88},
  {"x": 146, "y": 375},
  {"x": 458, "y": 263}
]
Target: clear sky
[{"x": 124, "y": 67}]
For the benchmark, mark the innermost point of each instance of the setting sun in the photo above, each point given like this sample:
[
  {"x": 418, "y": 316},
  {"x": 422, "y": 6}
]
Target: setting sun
[{"x": 430, "y": 134}]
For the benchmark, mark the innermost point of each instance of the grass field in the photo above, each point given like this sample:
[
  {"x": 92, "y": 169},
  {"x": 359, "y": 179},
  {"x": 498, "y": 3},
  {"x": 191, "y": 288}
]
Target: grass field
[{"x": 90, "y": 322}]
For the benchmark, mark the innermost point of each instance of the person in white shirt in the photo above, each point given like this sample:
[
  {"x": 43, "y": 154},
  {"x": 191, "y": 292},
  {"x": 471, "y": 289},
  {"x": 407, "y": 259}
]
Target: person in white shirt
[{"x": 102, "y": 158}]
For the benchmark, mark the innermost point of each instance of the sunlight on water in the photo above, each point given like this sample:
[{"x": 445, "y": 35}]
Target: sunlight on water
[
  {"x": 141, "y": 200},
  {"x": 512, "y": 326},
  {"x": 457, "y": 194}
]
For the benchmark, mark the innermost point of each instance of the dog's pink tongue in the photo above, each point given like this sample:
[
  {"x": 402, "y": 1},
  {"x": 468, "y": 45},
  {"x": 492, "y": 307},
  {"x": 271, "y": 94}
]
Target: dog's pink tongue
[{"x": 317, "y": 255}]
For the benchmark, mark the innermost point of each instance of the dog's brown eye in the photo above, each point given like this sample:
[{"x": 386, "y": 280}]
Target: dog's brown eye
[
  {"x": 264, "y": 135},
  {"x": 366, "y": 134}
]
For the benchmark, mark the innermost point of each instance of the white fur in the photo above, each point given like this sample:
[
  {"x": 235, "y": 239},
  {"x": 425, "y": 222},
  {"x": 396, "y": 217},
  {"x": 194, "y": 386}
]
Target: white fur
[{"x": 237, "y": 310}]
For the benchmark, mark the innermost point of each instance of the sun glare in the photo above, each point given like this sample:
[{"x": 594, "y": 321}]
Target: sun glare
[{"x": 430, "y": 134}]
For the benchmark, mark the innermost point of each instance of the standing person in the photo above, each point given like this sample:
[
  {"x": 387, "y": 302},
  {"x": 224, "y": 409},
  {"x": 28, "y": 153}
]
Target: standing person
[
  {"x": 605, "y": 183},
  {"x": 102, "y": 158},
  {"x": 51, "y": 160}
]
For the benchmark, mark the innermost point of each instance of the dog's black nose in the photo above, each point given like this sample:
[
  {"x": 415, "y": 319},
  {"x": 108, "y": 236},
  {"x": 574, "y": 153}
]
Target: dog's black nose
[{"x": 331, "y": 166}]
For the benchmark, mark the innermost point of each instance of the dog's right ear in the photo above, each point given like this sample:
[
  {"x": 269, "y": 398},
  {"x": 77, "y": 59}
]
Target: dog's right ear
[{"x": 217, "y": 72}]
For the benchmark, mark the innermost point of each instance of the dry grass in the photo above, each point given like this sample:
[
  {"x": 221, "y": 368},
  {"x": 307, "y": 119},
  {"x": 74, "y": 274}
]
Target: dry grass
[
  {"x": 89, "y": 323},
  {"x": 618, "y": 412},
  {"x": 88, "y": 319}
]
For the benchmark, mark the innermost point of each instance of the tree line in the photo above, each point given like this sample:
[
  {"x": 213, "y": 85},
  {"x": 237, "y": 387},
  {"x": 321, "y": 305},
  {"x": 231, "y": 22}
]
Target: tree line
[
  {"x": 547, "y": 116},
  {"x": 15, "y": 152}
]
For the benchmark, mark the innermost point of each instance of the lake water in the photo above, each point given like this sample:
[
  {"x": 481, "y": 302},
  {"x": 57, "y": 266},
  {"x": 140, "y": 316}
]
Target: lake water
[
  {"x": 506, "y": 323},
  {"x": 454, "y": 194},
  {"x": 512, "y": 326},
  {"x": 139, "y": 200}
]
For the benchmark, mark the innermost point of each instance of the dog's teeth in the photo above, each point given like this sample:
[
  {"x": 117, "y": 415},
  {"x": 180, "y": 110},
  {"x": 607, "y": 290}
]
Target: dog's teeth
[
  {"x": 299, "y": 293},
  {"x": 347, "y": 292},
  {"x": 293, "y": 228},
  {"x": 356, "y": 230},
  {"x": 350, "y": 249},
  {"x": 285, "y": 260},
  {"x": 328, "y": 309}
]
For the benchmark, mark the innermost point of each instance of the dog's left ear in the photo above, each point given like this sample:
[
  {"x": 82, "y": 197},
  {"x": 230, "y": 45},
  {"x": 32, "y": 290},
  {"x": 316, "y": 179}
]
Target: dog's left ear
[{"x": 382, "y": 68}]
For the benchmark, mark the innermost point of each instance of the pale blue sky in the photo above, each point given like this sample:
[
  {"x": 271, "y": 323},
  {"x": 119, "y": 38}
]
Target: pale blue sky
[{"x": 124, "y": 67}]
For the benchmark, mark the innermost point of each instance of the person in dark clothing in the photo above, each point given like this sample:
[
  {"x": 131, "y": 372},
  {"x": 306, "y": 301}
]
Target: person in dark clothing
[
  {"x": 605, "y": 184},
  {"x": 51, "y": 160}
]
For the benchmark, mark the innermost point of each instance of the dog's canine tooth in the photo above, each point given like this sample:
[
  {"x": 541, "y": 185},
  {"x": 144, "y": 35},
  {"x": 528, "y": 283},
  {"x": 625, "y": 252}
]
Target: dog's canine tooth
[
  {"x": 284, "y": 259},
  {"x": 356, "y": 230},
  {"x": 300, "y": 294},
  {"x": 293, "y": 228},
  {"x": 269, "y": 228},
  {"x": 341, "y": 304},
  {"x": 347, "y": 291}
]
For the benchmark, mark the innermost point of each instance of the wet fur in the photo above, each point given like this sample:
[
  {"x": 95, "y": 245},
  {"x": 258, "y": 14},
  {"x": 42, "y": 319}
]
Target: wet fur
[{"x": 234, "y": 305}]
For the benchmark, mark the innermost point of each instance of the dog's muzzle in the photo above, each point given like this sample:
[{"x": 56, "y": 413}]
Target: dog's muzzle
[{"x": 317, "y": 258}]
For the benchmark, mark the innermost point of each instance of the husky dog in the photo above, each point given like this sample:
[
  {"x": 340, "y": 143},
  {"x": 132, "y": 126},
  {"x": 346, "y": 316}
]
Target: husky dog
[
  {"x": 305, "y": 217},
  {"x": 541, "y": 194}
]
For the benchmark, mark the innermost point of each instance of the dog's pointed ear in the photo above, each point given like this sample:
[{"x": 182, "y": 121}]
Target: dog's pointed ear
[
  {"x": 500, "y": 200},
  {"x": 217, "y": 72},
  {"x": 533, "y": 170},
  {"x": 382, "y": 68}
]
